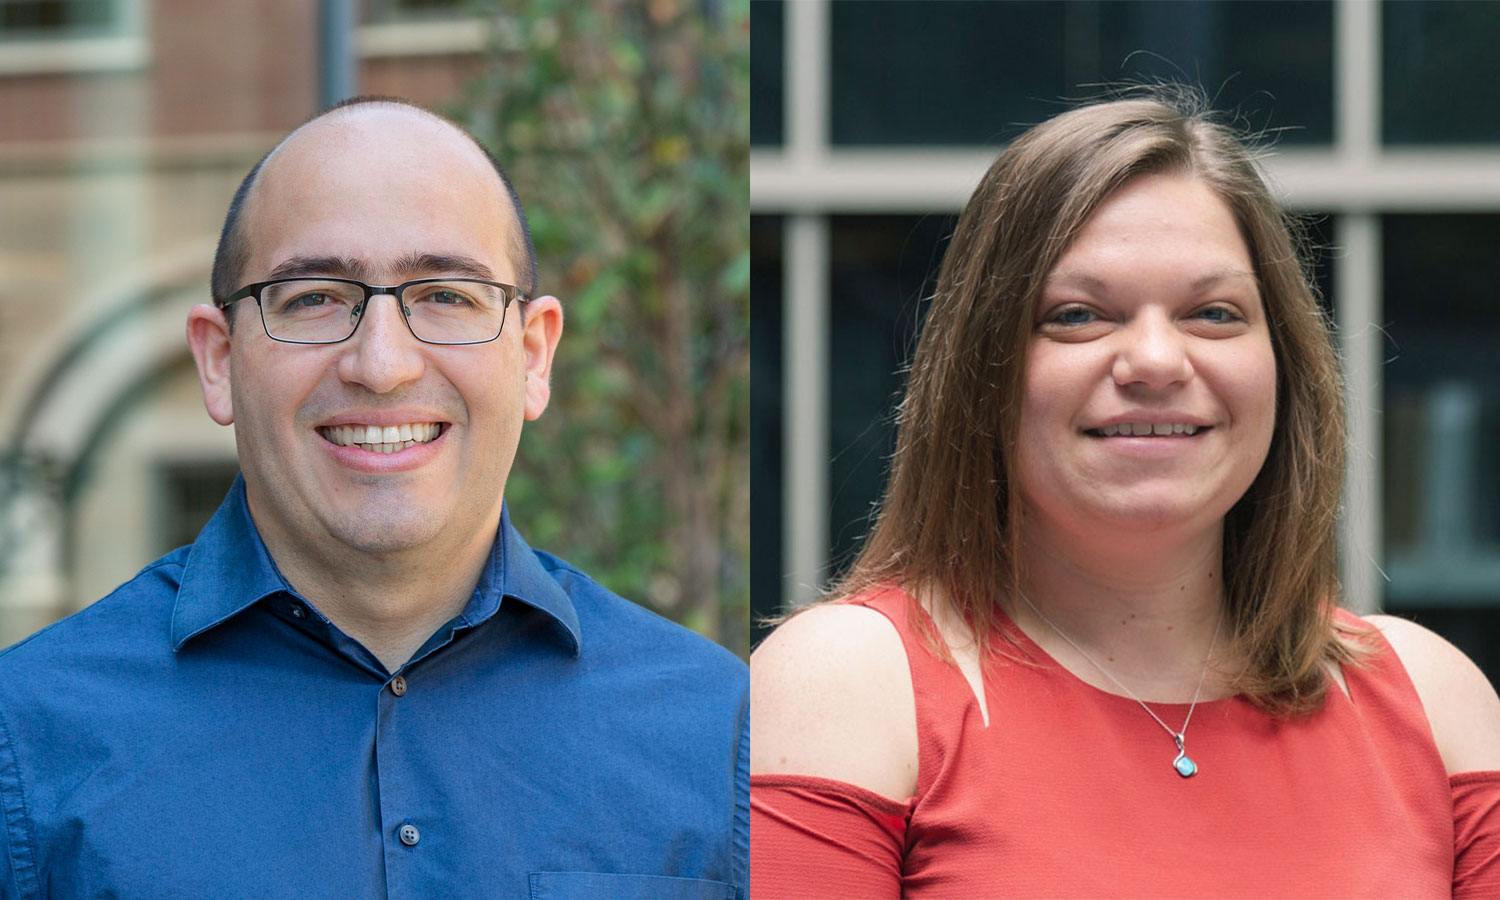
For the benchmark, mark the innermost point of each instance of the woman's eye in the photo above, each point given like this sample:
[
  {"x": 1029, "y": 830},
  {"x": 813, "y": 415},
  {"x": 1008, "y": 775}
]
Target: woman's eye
[
  {"x": 1073, "y": 315},
  {"x": 1219, "y": 315}
]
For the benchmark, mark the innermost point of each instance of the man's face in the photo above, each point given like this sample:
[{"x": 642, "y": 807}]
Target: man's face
[{"x": 383, "y": 195}]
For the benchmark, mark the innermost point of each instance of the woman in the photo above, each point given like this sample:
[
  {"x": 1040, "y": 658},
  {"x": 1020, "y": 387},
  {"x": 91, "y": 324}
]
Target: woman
[{"x": 1091, "y": 647}]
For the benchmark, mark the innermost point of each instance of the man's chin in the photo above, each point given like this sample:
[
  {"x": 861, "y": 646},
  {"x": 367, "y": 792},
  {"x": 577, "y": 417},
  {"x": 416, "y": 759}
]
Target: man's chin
[{"x": 382, "y": 534}]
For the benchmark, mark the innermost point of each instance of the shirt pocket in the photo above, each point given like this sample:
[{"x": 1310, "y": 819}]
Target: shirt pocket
[{"x": 596, "y": 885}]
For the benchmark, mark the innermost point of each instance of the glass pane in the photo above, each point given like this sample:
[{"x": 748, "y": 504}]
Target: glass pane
[
  {"x": 1317, "y": 246},
  {"x": 767, "y": 72},
  {"x": 31, "y": 19},
  {"x": 1441, "y": 427},
  {"x": 419, "y": 10},
  {"x": 967, "y": 72},
  {"x": 1438, "y": 75},
  {"x": 1269, "y": 63},
  {"x": 766, "y": 317},
  {"x": 190, "y": 495},
  {"x": 961, "y": 72},
  {"x": 882, "y": 269}
]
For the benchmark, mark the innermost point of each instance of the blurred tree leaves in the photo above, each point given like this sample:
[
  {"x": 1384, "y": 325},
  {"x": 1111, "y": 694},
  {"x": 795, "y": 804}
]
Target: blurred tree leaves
[{"x": 625, "y": 127}]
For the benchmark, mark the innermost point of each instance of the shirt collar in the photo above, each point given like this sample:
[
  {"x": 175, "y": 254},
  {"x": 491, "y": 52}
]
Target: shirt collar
[
  {"x": 228, "y": 569},
  {"x": 514, "y": 571}
]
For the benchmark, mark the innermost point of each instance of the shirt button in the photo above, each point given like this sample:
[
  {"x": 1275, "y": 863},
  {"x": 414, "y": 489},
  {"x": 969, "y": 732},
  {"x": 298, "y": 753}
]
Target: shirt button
[
  {"x": 409, "y": 835},
  {"x": 398, "y": 687}
]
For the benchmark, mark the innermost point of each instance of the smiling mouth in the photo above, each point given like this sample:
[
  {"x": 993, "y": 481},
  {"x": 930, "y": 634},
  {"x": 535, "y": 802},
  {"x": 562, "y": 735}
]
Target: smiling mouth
[
  {"x": 382, "y": 439},
  {"x": 1148, "y": 429}
]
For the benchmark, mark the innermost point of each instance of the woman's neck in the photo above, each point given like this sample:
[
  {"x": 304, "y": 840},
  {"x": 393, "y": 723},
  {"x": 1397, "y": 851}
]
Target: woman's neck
[{"x": 1144, "y": 610}]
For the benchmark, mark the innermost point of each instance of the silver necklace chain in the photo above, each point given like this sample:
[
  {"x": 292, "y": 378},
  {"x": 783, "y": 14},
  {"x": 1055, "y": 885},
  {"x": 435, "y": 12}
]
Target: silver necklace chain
[{"x": 1185, "y": 766}]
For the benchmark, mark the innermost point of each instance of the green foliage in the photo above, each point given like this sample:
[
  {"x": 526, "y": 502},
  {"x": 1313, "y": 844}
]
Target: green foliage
[{"x": 625, "y": 128}]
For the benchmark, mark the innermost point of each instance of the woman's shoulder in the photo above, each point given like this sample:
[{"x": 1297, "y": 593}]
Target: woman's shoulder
[
  {"x": 832, "y": 697},
  {"x": 1461, "y": 705}
]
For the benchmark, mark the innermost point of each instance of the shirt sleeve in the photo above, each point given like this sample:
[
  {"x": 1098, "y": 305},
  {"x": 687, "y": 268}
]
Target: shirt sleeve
[
  {"x": 1476, "y": 834},
  {"x": 815, "y": 837}
]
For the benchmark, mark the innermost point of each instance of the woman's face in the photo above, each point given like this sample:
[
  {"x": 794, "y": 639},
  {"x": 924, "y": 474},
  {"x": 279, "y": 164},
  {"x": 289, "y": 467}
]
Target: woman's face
[{"x": 1150, "y": 382}]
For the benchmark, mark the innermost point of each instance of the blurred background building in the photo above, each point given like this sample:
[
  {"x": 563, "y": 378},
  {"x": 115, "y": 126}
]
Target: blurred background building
[
  {"x": 125, "y": 126},
  {"x": 873, "y": 121}
]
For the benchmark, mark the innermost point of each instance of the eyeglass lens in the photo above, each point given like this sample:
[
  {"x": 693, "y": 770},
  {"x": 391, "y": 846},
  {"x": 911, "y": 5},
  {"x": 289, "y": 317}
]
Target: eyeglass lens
[{"x": 451, "y": 312}]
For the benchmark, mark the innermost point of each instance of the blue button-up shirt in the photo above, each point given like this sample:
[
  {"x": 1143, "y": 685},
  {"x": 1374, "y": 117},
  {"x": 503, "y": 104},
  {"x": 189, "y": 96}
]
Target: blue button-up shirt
[{"x": 204, "y": 731}]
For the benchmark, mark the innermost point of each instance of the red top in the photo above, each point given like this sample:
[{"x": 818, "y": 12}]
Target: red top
[{"x": 1070, "y": 792}]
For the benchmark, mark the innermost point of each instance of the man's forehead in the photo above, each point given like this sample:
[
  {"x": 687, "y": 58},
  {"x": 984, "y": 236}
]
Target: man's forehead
[
  {"x": 380, "y": 131},
  {"x": 421, "y": 175}
]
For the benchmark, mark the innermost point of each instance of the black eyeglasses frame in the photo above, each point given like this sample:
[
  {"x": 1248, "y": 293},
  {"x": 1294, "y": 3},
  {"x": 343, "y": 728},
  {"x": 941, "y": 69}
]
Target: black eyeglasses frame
[{"x": 253, "y": 291}]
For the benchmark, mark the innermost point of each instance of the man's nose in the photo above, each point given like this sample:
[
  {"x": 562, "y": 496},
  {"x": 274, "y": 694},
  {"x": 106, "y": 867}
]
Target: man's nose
[
  {"x": 383, "y": 354},
  {"x": 1153, "y": 351}
]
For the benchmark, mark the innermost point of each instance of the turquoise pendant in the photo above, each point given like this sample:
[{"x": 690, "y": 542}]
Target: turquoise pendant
[{"x": 1183, "y": 763}]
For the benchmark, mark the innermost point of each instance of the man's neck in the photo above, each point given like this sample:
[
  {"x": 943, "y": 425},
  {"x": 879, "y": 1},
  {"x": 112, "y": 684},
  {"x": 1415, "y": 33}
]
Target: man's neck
[{"x": 390, "y": 603}]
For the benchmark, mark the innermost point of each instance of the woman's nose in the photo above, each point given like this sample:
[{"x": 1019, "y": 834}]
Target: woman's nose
[{"x": 1152, "y": 352}]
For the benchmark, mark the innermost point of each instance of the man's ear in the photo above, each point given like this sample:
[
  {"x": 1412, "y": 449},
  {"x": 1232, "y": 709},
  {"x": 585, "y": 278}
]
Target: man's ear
[
  {"x": 544, "y": 325},
  {"x": 208, "y": 336}
]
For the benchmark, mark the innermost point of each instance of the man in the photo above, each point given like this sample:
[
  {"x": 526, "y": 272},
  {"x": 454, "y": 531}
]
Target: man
[{"x": 360, "y": 681}]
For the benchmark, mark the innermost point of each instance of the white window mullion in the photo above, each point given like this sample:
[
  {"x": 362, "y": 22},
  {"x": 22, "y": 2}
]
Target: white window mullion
[
  {"x": 1357, "y": 298},
  {"x": 805, "y": 399},
  {"x": 805, "y": 303},
  {"x": 1361, "y": 338}
]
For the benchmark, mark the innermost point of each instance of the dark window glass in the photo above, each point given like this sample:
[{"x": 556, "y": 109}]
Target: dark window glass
[
  {"x": 977, "y": 72},
  {"x": 767, "y": 72},
  {"x": 882, "y": 269},
  {"x": 27, "y": 19},
  {"x": 766, "y": 318},
  {"x": 1438, "y": 80},
  {"x": 1318, "y": 231},
  {"x": 1441, "y": 424},
  {"x": 419, "y": 10},
  {"x": 190, "y": 494}
]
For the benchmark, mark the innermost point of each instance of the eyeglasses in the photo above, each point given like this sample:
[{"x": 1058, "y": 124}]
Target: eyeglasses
[{"x": 328, "y": 310}]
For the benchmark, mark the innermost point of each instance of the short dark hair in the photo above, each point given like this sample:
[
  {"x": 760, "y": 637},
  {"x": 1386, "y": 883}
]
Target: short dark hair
[{"x": 234, "y": 250}]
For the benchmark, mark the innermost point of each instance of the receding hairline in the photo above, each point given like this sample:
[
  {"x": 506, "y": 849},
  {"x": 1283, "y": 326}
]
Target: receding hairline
[
  {"x": 351, "y": 108},
  {"x": 358, "y": 106},
  {"x": 233, "y": 251}
]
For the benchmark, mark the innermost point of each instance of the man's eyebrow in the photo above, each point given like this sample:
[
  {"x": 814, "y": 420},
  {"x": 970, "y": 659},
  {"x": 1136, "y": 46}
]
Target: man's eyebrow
[
  {"x": 331, "y": 266},
  {"x": 427, "y": 265},
  {"x": 412, "y": 265}
]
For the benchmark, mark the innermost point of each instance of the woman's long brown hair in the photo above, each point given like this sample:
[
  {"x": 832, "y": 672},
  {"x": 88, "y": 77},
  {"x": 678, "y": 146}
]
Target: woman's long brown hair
[{"x": 948, "y": 524}]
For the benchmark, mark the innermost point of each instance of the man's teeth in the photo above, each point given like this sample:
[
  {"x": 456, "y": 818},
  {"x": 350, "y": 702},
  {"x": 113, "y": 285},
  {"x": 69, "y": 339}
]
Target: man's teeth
[
  {"x": 1141, "y": 429},
  {"x": 382, "y": 439}
]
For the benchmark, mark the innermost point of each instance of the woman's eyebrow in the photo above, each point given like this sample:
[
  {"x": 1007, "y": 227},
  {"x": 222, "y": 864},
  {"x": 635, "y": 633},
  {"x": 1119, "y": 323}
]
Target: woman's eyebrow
[
  {"x": 1094, "y": 285},
  {"x": 1085, "y": 282},
  {"x": 1221, "y": 275}
]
